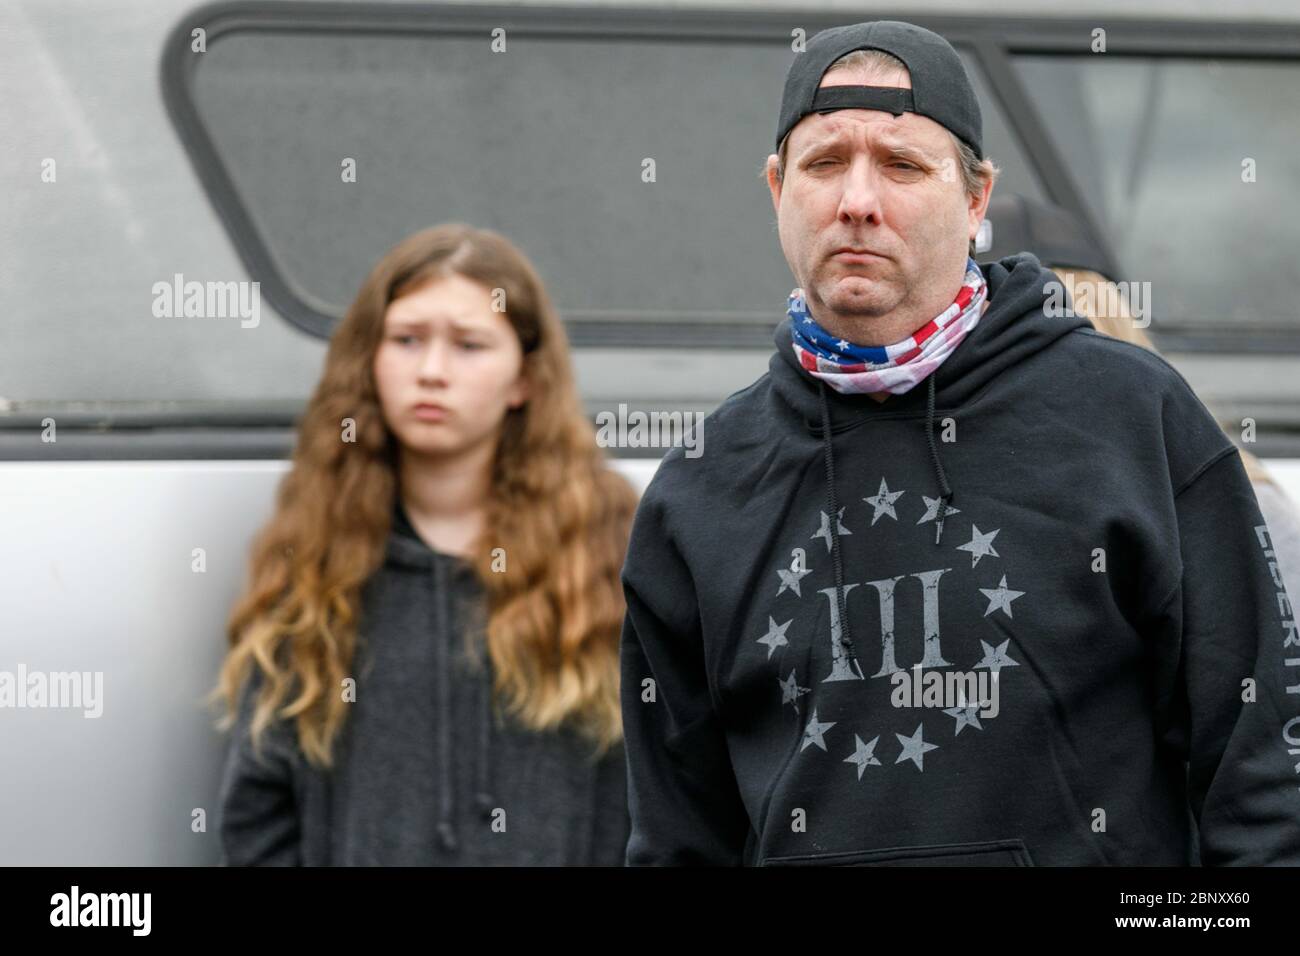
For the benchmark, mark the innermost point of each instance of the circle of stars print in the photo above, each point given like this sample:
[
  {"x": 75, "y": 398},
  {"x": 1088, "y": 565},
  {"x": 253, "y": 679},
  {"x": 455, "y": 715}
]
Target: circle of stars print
[{"x": 858, "y": 742}]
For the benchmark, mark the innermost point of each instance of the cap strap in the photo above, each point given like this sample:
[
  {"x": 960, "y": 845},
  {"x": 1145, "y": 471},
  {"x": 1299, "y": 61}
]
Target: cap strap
[{"x": 891, "y": 99}]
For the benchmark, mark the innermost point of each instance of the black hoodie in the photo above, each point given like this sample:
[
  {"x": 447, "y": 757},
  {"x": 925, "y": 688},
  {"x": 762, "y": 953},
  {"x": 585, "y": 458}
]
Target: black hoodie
[
  {"x": 1104, "y": 557},
  {"x": 425, "y": 774}
]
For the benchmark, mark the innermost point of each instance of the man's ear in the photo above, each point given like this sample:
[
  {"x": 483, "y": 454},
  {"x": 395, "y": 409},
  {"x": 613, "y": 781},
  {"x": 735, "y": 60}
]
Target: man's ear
[
  {"x": 978, "y": 206},
  {"x": 773, "y": 183}
]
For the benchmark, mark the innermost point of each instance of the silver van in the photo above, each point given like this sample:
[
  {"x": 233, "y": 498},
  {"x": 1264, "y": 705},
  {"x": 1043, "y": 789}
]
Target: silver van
[{"x": 271, "y": 151}]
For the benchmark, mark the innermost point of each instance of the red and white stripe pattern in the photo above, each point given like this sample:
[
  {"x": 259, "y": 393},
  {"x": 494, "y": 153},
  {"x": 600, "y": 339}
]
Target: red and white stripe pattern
[{"x": 859, "y": 369}]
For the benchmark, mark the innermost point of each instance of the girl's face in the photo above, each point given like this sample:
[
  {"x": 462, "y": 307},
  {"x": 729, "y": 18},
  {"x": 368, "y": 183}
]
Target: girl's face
[{"x": 448, "y": 368}]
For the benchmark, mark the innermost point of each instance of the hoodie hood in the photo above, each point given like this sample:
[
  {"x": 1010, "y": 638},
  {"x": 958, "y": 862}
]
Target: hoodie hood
[
  {"x": 450, "y": 576},
  {"x": 1017, "y": 290},
  {"x": 1012, "y": 327}
]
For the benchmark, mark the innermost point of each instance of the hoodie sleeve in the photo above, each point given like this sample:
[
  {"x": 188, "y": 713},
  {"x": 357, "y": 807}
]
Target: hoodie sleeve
[
  {"x": 259, "y": 823},
  {"x": 1283, "y": 530},
  {"x": 683, "y": 798},
  {"x": 1228, "y": 638}
]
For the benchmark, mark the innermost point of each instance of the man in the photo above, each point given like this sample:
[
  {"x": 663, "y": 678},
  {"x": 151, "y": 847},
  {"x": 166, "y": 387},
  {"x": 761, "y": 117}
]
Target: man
[{"x": 959, "y": 580}]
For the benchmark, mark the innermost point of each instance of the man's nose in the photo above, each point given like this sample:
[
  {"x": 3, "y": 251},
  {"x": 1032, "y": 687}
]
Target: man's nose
[{"x": 860, "y": 200}]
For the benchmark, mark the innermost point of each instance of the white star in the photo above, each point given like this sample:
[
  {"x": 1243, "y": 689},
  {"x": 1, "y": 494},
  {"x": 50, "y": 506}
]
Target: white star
[
  {"x": 979, "y": 545},
  {"x": 932, "y": 509},
  {"x": 842, "y": 344},
  {"x": 883, "y": 502},
  {"x": 995, "y": 660},
  {"x": 813, "y": 732},
  {"x": 790, "y": 579},
  {"x": 863, "y": 754},
  {"x": 775, "y": 636},
  {"x": 1000, "y": 598},
  {"x": 825, "y": 530},
  {"x": 915, "y": 748},
  {"x": 965, "y": 715},
  {"x": 791, "y": 691}
]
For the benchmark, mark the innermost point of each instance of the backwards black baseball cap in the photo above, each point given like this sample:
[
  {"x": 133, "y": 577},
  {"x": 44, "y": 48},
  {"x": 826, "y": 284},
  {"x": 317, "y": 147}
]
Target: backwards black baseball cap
[{"x": 940, "y": 89}]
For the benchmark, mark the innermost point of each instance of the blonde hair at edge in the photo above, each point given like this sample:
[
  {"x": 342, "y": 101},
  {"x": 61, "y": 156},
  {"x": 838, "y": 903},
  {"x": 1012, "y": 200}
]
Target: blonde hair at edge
[
  {"x": 554, "y": 613},
  {"x": 1107, "y": 309}
]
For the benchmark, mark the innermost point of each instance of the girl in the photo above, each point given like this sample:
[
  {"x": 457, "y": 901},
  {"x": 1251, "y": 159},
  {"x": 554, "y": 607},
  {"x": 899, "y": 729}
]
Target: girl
[{"x": 424, "y": 667}]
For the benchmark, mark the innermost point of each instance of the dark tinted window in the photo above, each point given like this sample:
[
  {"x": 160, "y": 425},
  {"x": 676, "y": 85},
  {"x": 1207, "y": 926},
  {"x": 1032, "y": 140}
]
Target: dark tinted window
[
  {"x": 1158, "y": 144},
  {"x": 544, "y": 142}
]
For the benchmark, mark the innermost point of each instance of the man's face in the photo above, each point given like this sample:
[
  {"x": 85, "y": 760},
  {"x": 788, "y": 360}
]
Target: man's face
[
  {"x": 889, "y": 188},
  {"x": 448, "y": 368}
]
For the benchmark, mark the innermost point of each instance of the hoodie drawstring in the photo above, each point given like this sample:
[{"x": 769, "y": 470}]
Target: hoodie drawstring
[
  {"x": 833, "y": 510},
  {"x": 446, "y": 830},
  {"x": 945, "y": 495},
  {"x": 833, "y": 503},
  {"x": 482, "y": 795}
]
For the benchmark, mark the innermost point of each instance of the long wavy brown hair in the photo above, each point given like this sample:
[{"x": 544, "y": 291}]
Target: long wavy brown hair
[{"x": 562, "y": 516}]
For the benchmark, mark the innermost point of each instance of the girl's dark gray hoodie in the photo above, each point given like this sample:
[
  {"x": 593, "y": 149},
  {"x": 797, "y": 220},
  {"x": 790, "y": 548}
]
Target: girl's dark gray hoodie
[{"x": 425, "y": 774}]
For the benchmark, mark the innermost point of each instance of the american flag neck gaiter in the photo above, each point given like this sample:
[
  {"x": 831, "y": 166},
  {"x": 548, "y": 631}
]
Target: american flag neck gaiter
[{"x": 858, "y": 369}]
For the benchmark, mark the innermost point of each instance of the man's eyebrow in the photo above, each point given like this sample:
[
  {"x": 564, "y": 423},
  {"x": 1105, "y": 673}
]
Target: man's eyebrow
[
  {"x": 829, "y": 140},
  {"x": 907, "y": 150}
]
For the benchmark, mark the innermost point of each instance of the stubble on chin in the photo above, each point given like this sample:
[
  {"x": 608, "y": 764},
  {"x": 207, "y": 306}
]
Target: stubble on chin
[{"x": 857, "y": 302}]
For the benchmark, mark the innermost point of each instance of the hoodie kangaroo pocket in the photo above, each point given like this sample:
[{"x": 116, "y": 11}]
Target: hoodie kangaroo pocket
[{"x": 988, "y": 853}]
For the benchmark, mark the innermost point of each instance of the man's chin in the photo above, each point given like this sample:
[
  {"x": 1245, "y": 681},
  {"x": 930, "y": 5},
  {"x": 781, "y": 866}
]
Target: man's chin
[{"x": 857, "y": 296}]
